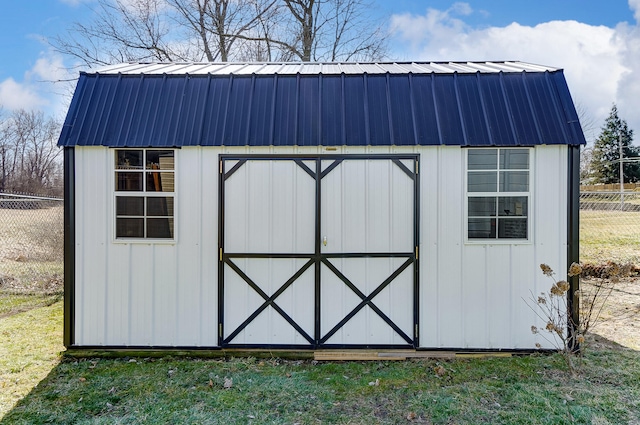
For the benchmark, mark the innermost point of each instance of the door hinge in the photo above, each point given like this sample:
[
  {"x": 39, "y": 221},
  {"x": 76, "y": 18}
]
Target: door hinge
[
  {"x": 416, "y": 252},
  {"x": 220, "y": 329},
  {"x": 417, "y": 167},
  {"x": 220, "y": 167},
  {"x": 416, "y": 331},
  {"x": 220, "y": 254}
]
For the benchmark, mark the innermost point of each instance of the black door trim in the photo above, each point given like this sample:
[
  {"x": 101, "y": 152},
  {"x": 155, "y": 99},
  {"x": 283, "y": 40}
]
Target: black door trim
[{"x": 317, "y": 257}]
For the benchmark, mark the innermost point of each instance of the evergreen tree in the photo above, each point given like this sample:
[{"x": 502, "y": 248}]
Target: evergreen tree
[{"x": 605, "y": 160}]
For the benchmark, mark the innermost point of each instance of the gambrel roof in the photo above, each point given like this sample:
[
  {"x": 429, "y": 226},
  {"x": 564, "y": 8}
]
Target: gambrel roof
[{"x": 328, "y": 104}]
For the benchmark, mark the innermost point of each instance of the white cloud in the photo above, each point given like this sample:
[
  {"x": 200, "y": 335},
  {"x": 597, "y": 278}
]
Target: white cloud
[
  {"x": 635, "y": 6},
  {"x": 74, "y": 2},
  {"x": 601, "y": 64},
  {"x": 19, "y": 96},
  {"x": 46, "y": 86},
  {"x": 48, "y": 69},
  {"x": 461, "y": 8}
]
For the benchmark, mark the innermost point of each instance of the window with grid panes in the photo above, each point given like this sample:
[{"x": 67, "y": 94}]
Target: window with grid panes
[
  {"x": 145, "y": 188},
  {"x": 498, "y": 193}
]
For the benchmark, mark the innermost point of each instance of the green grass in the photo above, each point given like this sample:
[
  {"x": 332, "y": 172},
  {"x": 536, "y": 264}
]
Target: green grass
[
  {"x": 29, "y": 284},
  {"x": 29, "y": 347},
  {"x": 12, "y": 303},
  {"x": 518, "y": 390}
]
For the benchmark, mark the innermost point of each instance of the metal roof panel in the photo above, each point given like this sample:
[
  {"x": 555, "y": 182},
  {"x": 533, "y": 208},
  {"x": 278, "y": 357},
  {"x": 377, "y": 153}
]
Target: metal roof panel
[{"x": 287, "y": 104}]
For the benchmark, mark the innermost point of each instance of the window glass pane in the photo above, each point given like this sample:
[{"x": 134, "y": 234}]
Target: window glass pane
[
  {"x": 160, "y": 228},
  {"x": 512, "y": 228},
  {"x": 482, "y": 181},
  {"x": 482, "y": 159},
  {"x": 160, "y": 182},
  {"x": 128, "y": 160},
  {"x": 482, "y": 207},
  {"x": 130, "y": 205},
  {"x": 512, "y": 206},
  {"x": 482, "y": 228},
  {"x": 514, "y": 181},
  {"x": 514, "y": 159},
  {"x": 130, "y": 228},
  {"x": 162, "y": 206},
  {"x": 128, "y": 182},
  {"x": 159, "y": 160}
]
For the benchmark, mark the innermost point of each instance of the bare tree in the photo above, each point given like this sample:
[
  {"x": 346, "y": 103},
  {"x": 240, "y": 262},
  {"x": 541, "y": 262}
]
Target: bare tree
[
  {"x": 588, "y": 125},
  {"x": 211, "y": 30},
  {"x": 122, "y": 31},
  {"x": 324, "y": 30},
  {"x": 30, "y": 157},
  {"x": 335, "y": 30},
  {"x": 220, "y": 24}
]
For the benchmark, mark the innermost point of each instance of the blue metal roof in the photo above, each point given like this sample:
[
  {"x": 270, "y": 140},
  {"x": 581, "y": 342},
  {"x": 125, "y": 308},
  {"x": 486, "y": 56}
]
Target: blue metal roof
[{"x": 468, "y": 104}]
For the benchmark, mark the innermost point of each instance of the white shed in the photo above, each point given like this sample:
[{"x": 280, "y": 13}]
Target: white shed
[{"x": 316, "y": 205}]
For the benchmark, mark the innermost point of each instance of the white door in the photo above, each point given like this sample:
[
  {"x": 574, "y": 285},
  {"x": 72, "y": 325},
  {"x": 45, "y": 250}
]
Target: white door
[
  {"x": 368, "y": 240},
  {"x": 318, "y": 251}
]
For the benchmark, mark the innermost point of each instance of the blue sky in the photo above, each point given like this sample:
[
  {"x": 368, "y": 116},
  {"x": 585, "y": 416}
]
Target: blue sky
[{"x": 596, "y": 42}]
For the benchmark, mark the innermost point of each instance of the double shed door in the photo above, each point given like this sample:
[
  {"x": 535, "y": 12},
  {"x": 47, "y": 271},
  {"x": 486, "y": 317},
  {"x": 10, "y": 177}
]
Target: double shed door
[{"x": 318, "y": 251}]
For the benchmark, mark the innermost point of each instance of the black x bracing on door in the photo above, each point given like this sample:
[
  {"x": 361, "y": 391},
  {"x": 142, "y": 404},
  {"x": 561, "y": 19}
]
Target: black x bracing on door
[{"x": 308, "y": 265}]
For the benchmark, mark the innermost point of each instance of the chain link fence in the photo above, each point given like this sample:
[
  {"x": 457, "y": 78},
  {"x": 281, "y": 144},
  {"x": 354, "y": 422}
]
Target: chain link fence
[
  {"x": 31, "y": 251},
  {"x": 610, "y": 227},
  {"x": 32, "y": 240}
]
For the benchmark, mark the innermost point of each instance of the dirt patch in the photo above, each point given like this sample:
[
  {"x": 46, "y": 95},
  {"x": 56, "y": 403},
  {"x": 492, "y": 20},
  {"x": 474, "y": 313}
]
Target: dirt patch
[
  {"x": 619, "y": 322},
  {"x": 48, "y": 285}
]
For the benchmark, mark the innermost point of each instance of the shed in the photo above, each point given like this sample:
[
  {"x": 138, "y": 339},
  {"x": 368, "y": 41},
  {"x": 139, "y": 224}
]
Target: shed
[{"x": 316, "y": 205}]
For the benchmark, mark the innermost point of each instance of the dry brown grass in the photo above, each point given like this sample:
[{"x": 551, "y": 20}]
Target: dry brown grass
[
  {"x": 32, "y": 234},
  {"x": 31, "y": 254},
  {"x": 609, "y": 236},
  {"x": 619, "y": 320}
]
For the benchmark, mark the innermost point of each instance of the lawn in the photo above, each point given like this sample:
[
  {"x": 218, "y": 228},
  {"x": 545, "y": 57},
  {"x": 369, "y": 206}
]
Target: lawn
[
  {"x": 609, "y": 236},
  {"x": 527, "y": 389},
  {"x": 30, "y": 343}
]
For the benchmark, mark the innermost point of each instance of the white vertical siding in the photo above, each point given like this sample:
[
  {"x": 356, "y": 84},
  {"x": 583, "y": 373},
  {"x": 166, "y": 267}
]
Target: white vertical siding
[
  {"x": 269, "y": 327},
  {"x": 367, "y": 206},
  {"x": 471, "y": 295},
  {"x": 474, "y": 295},
  {"x": 92, "y": 243},
  {"x": 269, "y": 208},
  {"x": 143, "y": 294},
  {"x": 367, "y": 327}
]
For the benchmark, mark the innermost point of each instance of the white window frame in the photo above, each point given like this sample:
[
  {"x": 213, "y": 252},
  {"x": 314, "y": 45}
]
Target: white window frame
[
  {"x": 143, "y": 194},
  {"x": 528, "y": 194}
]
